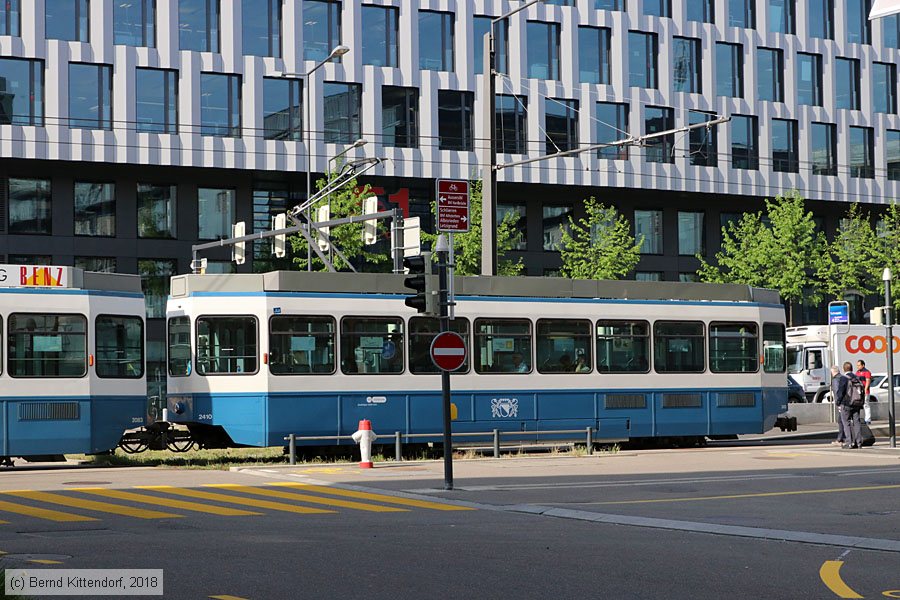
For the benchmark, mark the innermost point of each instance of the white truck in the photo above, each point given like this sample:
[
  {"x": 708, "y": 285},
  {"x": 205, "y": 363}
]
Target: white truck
[{"x": 812, "y": 350}]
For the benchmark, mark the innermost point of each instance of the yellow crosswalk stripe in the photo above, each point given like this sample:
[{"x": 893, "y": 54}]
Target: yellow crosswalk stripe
[
  {"x": 42, "y": 513},
  {"x": 324, "y": 489},
  {"x": 234, "y": 499},
  {"x": 227, "y": 597},
  {"x": 45, "y": 561},
  {"x": 116, "y": 509},
  {"x": 169, "y": 502},
  {"x": 246, "y": 489}
]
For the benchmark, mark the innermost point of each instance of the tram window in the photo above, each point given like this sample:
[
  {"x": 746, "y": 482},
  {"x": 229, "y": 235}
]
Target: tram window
[
  {"x": 421, "y": 333},
  {"x": 623, "y": 346},
  {"x": 503, "y": 346},
  {"x": 773, "y": 348},
  {"x": 226, "y": 345},
  {"x": 301, "y": 345},
  {"x": 678, "y": 347},
  {"x": 563, "y": 346},
  {"x": 733, "y": 347},
  {"x": 41, "y": 345},
  {"x": 120, "y": 347},
  {"x": 179, "y": 346},
  {"x": 371, "y": 345}
]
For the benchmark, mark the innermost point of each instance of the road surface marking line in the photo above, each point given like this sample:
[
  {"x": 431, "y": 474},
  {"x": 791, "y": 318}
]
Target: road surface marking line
[
  {"x": 246, "y": 489},
  {"x": 116, "y": 509},
  {"x": 168, "y": 502},
  {"x": 42, "y": 513},
  {"x": 324, "y": 489},
  {"x": 758, "y": 495},
  {"x": 234, "y": 499},
  {"x": 830, "y": 573},
  {"x": 45, "y": 561},
  {"x": 227, "y": 597}
]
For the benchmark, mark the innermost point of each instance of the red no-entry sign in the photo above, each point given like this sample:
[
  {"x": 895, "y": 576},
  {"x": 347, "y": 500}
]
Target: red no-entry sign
[{"x": 448, "y": 351}]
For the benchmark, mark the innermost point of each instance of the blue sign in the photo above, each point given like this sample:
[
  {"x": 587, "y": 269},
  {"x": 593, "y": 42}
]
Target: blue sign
[
  {"x": 839, "y": 314},
  {"x": 388, "y": 350}
]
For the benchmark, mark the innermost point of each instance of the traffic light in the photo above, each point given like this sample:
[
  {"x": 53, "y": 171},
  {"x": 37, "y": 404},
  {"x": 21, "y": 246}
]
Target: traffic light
[
  {"x": 239, "y": 249},
  {"x": 422, "y": 282}
]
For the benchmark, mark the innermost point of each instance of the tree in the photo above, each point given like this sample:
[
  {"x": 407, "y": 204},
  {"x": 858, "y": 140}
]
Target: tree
[
  {"x": 850, "y": 262},
  {"x": 345, "y": 201},
  {"x": 599, "y": 246},
  {"x": 887, "y": 249},
  {"x": 467, "y": 246}
]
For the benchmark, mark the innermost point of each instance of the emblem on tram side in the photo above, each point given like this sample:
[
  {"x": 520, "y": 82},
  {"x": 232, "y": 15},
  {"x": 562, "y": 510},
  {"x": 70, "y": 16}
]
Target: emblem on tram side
[{"x": 504, "y": 408}]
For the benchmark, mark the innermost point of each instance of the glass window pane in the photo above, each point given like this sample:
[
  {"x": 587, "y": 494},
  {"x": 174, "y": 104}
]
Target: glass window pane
[
  {"x": 120, "y": 347},
  {"x": 733, "y": 348},
  {"x": 261, "y": 27},
  {"x": 90, "y": 87},
  {"x": 515, "y": 214},
  {"x": 781, "y": 16},
  {"x": 321, "y": 28},
  {"x": 179, "y": 332},
  {"x": 11, "y": 18},
  {"x": 134, "y": 23},
  {"x": 729, "y": 70},
  {"x": 301, "y": 345},
  {"x": 97, "y": 264},
  {"x": 648, "y": 226},
  {"x": 609, "y": 4},
  {"x": 511, "y": 134},
  {"x": 612, "y": 126},
  {"x": 198, "y": 25},
  {"x": 220, "y": 105},
  {"x": 890, "y": 31},
  {"x": 400, "y": 116},
  {"x": 659, "y": 8},
  {"x": 690, "y": 233},
  {"x": 846, "y": 83},
  {"x": 773, "y": 348},
  {"x": 561, "y": 125},
  {"x": 770, "y": 73},
  {"x": 555, "y": 219},
  {"x": 282, "y": 109},
  {"x": 623, "y": 346},
  {"x": 563, "y": 346},
  {"x": 155, "y": 276},
  {"x": 642, "y": 57},
  {"x": 267, "y": 204},
  {"x": 67, "y": 20},
  {"x": 455, "y": 122},
  {"x": 785, "y": 157},
  {"x": 46, "y": 345},
  {"x": 823, "y": 148},
  {"x": 701, "y": 11},
  {"x": 422, "y": 331},
  {"x": 342, "y": 110},
  {"x": 95, "y": 209},
  {"x": 884, "y": 87},
  {"x": 379, "y": 44},
  {"x": 820, "y": 17},
  {"x": 703, "y": 141},
  {"x": 502, "y": 346},
  {"x": 742, "y": 13},
  {"x": 21, "y": 92},
  {"x": 156, "y": 210},
  {"x": 593, "y": 54},
  {"x": 156, "y": 100},
  {"x": 543, "y": 50},
  {"x": 857, "y": 15},
  {"x": 862, "y": 152},
  {"x": 215, "y": 213},
  {"x": 435, "y": 41},
  {"x": 29, "y": 206},
  {"x": 226, "y": 345},
  {"x": 809, "y": 79},
  {"x": 892, "y": 154},
  {"x": 744, "y": 142},
  {"x": 686, "y": 60},
  {"x": 661, "y": 149},
  {"x": 371, "y": 345},
  {"x": 679, "y": 347}
]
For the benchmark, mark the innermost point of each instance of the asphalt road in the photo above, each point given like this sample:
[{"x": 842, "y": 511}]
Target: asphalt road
[{"x": 740, "y": 522}]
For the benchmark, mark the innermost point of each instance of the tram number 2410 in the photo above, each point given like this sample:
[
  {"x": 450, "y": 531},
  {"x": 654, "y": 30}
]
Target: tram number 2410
[{"x": 204, "y": 417}]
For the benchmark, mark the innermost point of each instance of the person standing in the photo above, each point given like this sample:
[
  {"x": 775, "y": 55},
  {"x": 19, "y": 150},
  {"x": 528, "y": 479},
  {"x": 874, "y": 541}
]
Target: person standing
[
  {"x": 849, "y": 413},
  {"x": 838, "y": 389},
  {"x": 865, "y": 375}
]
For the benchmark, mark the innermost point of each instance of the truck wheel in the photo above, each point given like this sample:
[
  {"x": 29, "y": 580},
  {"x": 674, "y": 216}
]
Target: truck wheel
[{"x": 823, "y": 396}]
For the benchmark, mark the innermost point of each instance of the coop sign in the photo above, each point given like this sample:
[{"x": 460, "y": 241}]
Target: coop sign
[{"x": 35, "y": 276}]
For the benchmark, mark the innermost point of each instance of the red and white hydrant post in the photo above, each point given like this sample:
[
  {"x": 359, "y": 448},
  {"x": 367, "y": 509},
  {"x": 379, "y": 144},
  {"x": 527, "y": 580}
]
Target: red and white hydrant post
[{"x": 364, "y": 437}]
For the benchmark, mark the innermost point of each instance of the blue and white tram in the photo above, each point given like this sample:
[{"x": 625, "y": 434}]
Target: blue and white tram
[
  {"x": 72, "y": 379},
  {"x": 253, "y": 358}
]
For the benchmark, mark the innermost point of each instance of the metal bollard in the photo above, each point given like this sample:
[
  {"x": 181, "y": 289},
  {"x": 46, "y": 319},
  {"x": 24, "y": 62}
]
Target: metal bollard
[
  {"x": 292, "y": 448},
  {"x": 398, "y": 447},
  {"x": 496, "y": 443},
  {"x": 590, "y": 440}
]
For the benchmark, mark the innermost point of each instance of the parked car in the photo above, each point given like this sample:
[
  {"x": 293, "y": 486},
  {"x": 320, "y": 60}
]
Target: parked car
[
  {"x": 795, "y": 390},
  {"x": 878, "y": 389}
]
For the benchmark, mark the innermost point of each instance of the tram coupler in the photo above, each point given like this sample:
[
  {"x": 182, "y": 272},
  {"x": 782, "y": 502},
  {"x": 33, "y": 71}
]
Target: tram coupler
[{"x": 786, "y": 423}]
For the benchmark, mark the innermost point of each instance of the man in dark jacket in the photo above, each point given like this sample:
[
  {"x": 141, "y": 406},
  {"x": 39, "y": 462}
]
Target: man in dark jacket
[
  {"x": 849, "y": 414},
  {"x": 838, "y": 389}
]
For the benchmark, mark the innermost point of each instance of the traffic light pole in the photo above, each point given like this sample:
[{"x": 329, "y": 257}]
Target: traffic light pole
[{"x": 443, "y": 252}]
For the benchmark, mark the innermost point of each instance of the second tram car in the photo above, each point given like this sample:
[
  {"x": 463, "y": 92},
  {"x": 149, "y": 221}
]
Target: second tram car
[
  {"x": 72, "y": 375},
  {"x": 255, "y": 357}
]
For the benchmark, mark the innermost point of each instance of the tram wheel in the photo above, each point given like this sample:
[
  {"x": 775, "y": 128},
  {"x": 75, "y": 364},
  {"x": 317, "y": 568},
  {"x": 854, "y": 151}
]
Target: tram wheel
[
  {"x": 134, "y": 446},
  {"x": 180, "y": 445}
]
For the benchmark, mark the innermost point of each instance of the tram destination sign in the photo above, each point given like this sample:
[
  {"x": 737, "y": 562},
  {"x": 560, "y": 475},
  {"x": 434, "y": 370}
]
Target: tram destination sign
[
  {"x": 452, "y": 205},
  {"x": 36, "y": 276}
]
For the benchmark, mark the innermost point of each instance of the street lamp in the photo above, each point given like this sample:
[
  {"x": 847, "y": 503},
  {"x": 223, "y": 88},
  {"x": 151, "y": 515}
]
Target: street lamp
[
  {"x": 889, "y": 349},
  {"x": 489, "y": 189},
  {"x": 357, "y": 144}
]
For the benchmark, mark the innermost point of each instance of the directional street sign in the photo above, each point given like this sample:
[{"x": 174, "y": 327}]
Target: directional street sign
[
  {"x": 448, "y": 351},
  {"x": 452, "y": 205}
]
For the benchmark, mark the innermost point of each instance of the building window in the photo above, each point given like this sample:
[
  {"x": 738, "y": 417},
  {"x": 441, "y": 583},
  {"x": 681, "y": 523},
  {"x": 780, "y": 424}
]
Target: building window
[
  {"x": 609, "y": 4},
  {"x": 90, "y": 88},
  {"x": 342, "y": 108},
  {"x": 512, "y": 117},
  {"x": 267, "y": 204},
  {"x": 612, "y": 125},
  {"x": 846, "y": 83},
  {"x": 29, "y": 206},
  {"x": 400, "y": 116},
  {"x": 691, "y": 238},
  {"x": 215, "y": 211},
  {"x": 702, "y": 11},
  {"x": 782, "y": 16},
  {"x": 21, "y": 92},
  {"x": 155, "y": 275},
  {"x": 823, "y": 148},
  {"x": 220, "y": 105},
  {"x": 436, "y": 39},
  {"x": 11, "y": 18},
  {"x": 96, "y": 264},
  {"x": 67, "y": 20},
  {"x": 857, "y": 15},
  {"x": 687, "y": 65},
  {"x": 688, "y": 277},
  {"x": 820, "y": 18},
  {"x": 44, "y": 260},
  {"x": 642, "y": 57},
  {"x": 95, "y": 209},
  {"x": 703, "y": 141},
  {"x": 134, "y": 23},
  {"x": 890, "y": 31},
  {"x": 556, "y": 218},
  {"x": 892, "y": 154},
  {"x": 282, "y": 105},
  {"x": 744, "y": 142},
  {"x": 593, "y": 54},
  {"x": 455, "y": 130},
  {"x": 784, "y": 146},
  {"x": 321, "y": 28},
  {"x": 156, "y": 100},
  {"x": 742, "y": 13},
  {"x": 729, "y": 70},
  {"x": 379, "y": 44},
  {"x": 561, "y": 125},
  {"x": 516, "y": 213},
  {"x": 648, "y": 226},
  {"x": 809, "y": 79},
  {"x": 198, "y": 25},
  {"x": 156, "y": 211},
  {"x": 659, "y": 8},
  {"x": 862, "y": 152},
  {"x": 261, "y": 27},
  {"x": 656, "y": 119},
  {"x": 884, "y": 87},
  {"x": 648, "y": 276},
  {"x": 770, "y": 73},
  {"x": 543, "y": 50},
  {"x": 501, "y": 43}
]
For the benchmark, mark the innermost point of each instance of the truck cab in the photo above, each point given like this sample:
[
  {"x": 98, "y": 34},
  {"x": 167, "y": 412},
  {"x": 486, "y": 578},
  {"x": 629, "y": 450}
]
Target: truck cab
[{"x": 807, "y": 363}]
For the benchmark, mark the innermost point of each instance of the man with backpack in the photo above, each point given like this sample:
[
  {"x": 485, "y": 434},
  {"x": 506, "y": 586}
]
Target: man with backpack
[{"x": 850, "y": 398}]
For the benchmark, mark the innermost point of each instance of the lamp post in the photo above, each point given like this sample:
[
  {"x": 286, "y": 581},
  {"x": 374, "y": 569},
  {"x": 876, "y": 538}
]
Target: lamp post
[
  {"x": 889, "y": 349},
  {"x": 489, "y": 187}
]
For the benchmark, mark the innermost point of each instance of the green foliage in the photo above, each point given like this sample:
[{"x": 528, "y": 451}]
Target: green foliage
[
  {"x": 599, "y": 246},
  {"x": 850, "y": 262},
  {"x": 886, "y": 249},
  {"x": 467, "y": 246}
]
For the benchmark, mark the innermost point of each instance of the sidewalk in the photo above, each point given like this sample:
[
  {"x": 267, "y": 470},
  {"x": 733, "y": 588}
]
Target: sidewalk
[{"x": 816, "y": 431}]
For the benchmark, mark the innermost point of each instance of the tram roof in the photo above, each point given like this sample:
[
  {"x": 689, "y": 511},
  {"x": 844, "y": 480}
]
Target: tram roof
[
  {"x": 61, "y": 277},
  {"x": 529, "y": 287}
]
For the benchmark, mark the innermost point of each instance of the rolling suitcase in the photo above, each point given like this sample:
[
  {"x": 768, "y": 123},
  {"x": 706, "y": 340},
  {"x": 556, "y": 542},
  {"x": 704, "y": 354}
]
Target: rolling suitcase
[{"x": 866, "y": 435}]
